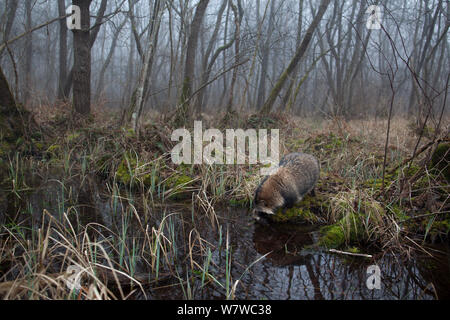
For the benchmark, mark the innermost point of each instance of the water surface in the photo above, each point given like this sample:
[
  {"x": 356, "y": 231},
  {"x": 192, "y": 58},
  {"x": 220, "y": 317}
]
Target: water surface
[{"x": 288, "y": 268}]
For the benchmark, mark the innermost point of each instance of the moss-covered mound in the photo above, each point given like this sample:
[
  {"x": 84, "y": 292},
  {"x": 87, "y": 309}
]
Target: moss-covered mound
[
  {"x": 132, "y": 171},
  {"x": 309, "y": 210},
  {"x": 178, "y": 186},
  {"x": 357, "y": 217}
]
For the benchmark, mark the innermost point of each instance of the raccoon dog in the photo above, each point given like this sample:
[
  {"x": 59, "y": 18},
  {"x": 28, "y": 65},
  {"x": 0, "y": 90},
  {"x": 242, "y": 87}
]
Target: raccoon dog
[{"x": 296, "y": 176}]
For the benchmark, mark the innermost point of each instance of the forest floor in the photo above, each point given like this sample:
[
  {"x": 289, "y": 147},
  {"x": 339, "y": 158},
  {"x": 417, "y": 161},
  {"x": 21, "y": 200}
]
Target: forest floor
[{"x": 58, "y": 180}]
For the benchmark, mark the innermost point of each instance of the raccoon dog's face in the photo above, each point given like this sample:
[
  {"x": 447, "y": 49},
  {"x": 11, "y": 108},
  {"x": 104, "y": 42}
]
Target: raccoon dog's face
[
  {"x": 267, "y": 200},
  {"x": 262, "y": 207}
]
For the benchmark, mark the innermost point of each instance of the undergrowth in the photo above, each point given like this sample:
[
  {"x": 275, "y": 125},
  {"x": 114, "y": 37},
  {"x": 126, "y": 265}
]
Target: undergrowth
[{"x": 150, "y": 232}]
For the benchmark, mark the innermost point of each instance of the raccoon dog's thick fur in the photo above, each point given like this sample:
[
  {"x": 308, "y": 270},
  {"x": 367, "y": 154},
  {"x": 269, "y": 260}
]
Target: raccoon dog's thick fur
[{"x": 296, "y": 176}]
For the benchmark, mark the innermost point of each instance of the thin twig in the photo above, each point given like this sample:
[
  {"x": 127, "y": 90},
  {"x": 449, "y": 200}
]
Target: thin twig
[{"x": 351, "y": 253}]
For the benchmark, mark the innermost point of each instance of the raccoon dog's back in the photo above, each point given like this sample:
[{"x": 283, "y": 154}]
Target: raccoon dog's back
[
  {"x": 305, "y": 169},
  {"x": 296, "y": 176}
]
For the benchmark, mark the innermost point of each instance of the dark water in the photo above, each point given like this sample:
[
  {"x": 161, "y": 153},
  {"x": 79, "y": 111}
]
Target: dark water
[{"x": 290, "y": 269}]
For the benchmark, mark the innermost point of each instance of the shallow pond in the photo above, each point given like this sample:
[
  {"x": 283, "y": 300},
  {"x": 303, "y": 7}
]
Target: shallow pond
[
  {"x": 286, "y": 267},
  {"x": 291, "y": 270}
]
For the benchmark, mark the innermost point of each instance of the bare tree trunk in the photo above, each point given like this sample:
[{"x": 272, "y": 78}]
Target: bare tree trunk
[
  {"x": 90, "y": 42},
  {"x": 134, "y": 28},
  {"x": 82, "y": 61},
  {"x": 354, "y": 66},
  {"x": 207, "y": 63},
  {"x": 129, "y": 73},
  {"x": 224, "y": 58},
  {"x": 427, "y": 34},
  {"x": 267, "y": 107},
  {"x": 108, "y": 59},
  {"x": 288, "y": 94},
  {"x": 237, "y": 22},
  {"x": 138, "y": 98},
  {"x": 265, "y": 57},
  {"x": 184, "y": 111},
  {"x": 28, "y": 54},
  {"x": 11, "y": 8},
  {"x": 11, "y": 125},
  {"x": 62, "y": 50},
  {"x": 172, "y": 55}
]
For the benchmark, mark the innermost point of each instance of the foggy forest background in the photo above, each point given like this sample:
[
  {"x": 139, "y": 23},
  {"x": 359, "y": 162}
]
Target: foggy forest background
[{"x": 229, "y": 55}]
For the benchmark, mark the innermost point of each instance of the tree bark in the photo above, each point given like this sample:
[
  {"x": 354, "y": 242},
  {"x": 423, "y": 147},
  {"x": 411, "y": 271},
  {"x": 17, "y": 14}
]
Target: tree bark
[
  {"x": 265, "y": 57},
  {"x": 62, "y": 50},
  {"x": 237, "y": 20},
  {"x": 138, "y": 97},
  {"x": 134, "y": 29},
  {"x": 108, "y": 59},
  {"x": 298, "y": 55},
  {"x": 82, "y": 61},
  {"x": 11, "y": 8},
  {"x": 184, "y": 111},
  {"x": 11, "y": 126},
  {"x": 91, "y": 41},
  {"x": 207, "y": 63},
  {"x": 288, "y": 94},
  {"x": 28, "y": 54}
]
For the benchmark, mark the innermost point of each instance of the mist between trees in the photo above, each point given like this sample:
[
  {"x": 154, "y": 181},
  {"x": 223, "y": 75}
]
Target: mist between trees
[{"x": 206, "y": 56}]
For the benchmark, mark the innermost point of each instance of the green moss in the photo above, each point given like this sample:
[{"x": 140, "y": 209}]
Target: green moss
[
  {"x": 356, "y": 219},
  {"x": 354, "y": 250},
  {"x": 178, "y": 183},
  {"x": 438, "y": 228},
  {"x": 376, "y": 183},
  {"x": 410, "y": 170},
  {"x": 20, "y": 141},
  {"x": 398, "y": 212},
  {"x": 332, "y": 236},
  {"x": 12, "y": 125},
  {"x": 73, "y": 136},
  {"x": 346, "y": 231},
  {"x": 101, "y": 164},
  {"x": 239, "y": 203},
  {"x": 373, "y": 183},
  {"x": 36, "y": 135},
  {"x": 295, "y": 144},
  {"x": 129, "y": 132},
  {"x": 295, "y": 214},
  {"x": 54, "y": 150},
  {"x": 5, "y": 148},
  {"x": 441, "y": 159},
  {"x": 259, "y": 121},
  {"x": 442, "y": 226},
  {"x": 417, "y": 129},
  {"x": 40, "y": 146},
  {"x": 423, "y": 182},
  {"x": 328, "y": 142},
  {"x": 124, "y": 171},
  {"x": 131, "y": 172},
  {"x": 312, "y": 209}
]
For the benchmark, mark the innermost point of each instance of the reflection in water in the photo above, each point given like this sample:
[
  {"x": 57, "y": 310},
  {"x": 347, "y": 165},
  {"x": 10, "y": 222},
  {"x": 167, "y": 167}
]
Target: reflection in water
[
  {"x": 290, "y": 270},
  {"x": 293, "y": 271}
]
